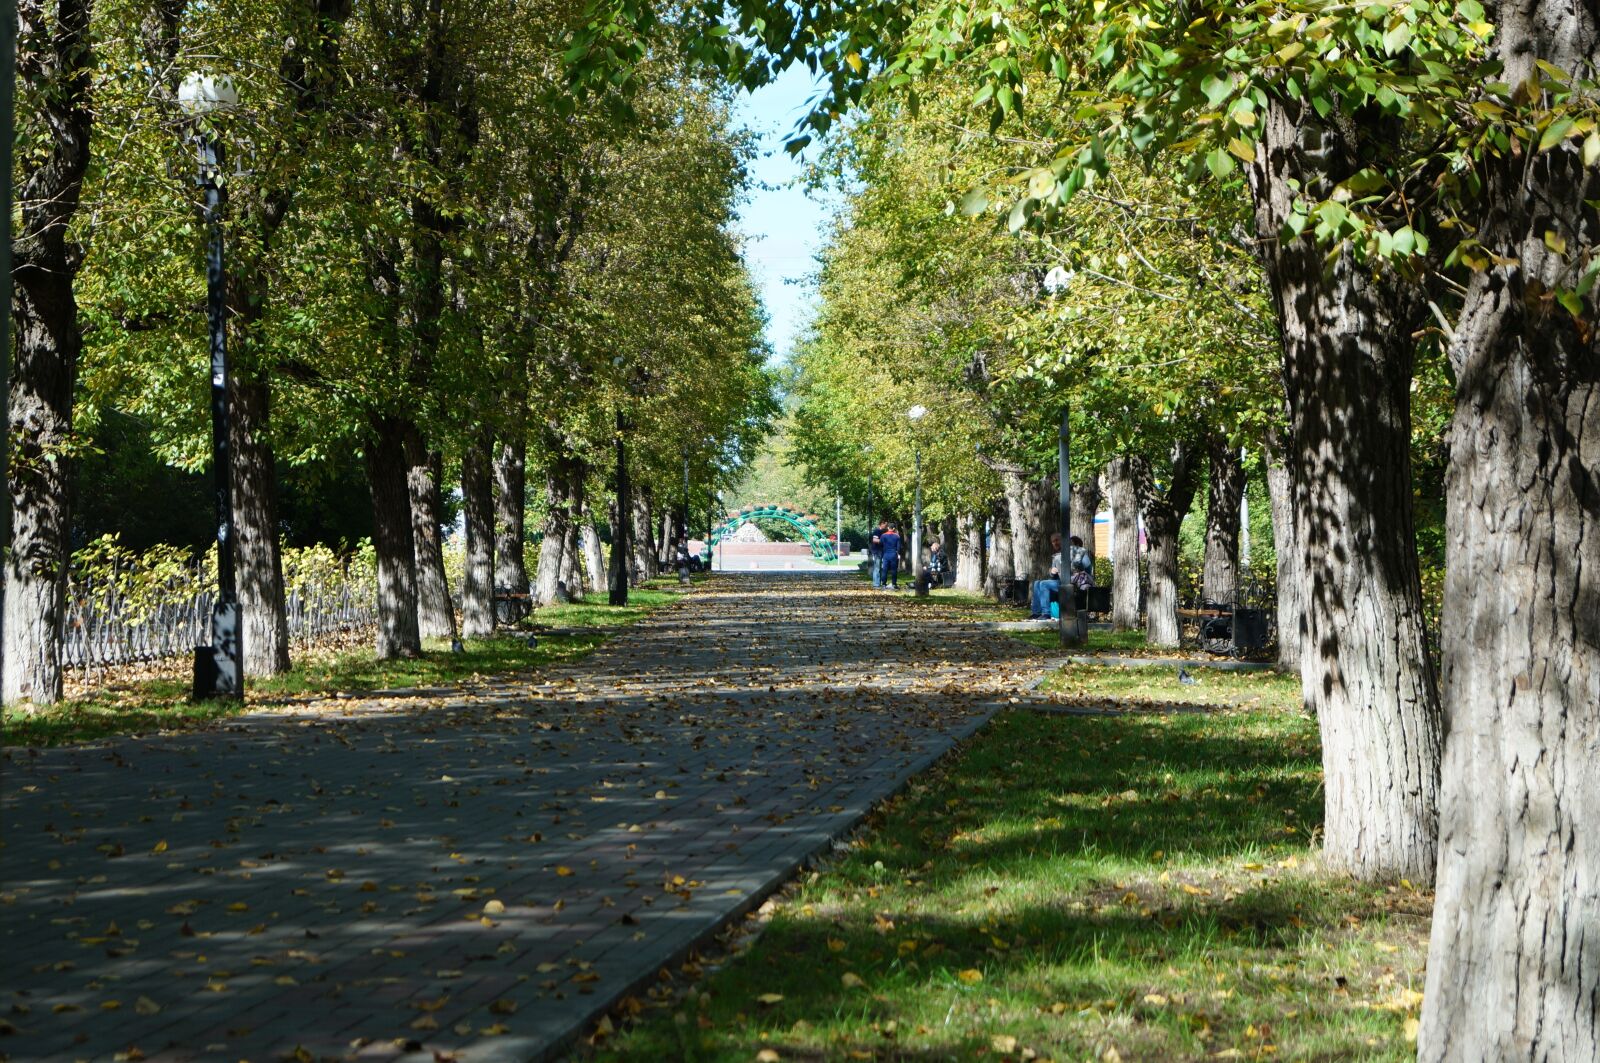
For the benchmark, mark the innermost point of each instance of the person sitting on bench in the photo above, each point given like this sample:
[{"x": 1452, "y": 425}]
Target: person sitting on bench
[{"x": 1039, "y": 607}]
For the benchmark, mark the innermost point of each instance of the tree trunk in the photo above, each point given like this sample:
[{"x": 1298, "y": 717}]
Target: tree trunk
[
  {"x": 563, "y": 486},
  {"x": 571, "y": 570},
  {"x": 1032, "y": 521},
  {"x": 1086, "y": 497},
  {"x": 510, "y": 512},
  {"x": 436, "y": 614},
  {"x": 621, "y": 518},
  {"x": 53, "y": 59},
  {"x": 1285, "y": 541},
  {"x": 969, "y": 553},
  {"x": 594, "y": 562},
  {"x": 1365, "y": 668},
  {"x": 398, "y": 634},
  {"x": 477, "y": 504},
  {"x": 258, "y": 557},
  {"x": 1220, "y": 576},
  {"x": 1514, "y": 962},
  {"x": 1164, "y": 511},
  {"x": 998, "y": 573},
  {"x": 1124, "y": 494},
  {"x": 642, "y": 539}
]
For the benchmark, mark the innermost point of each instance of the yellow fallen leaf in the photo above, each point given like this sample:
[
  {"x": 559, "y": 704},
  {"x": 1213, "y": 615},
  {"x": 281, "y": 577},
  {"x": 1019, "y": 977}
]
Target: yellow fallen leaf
[
  {"x": 1411, "y": 1029},
  {"x": 851, "y": 981},
  {"x": 1155, "y": 999},
  {"x": 563, "y": 870},
  {"x": 110, "y": 1005},
  {"x": 238, "y": 906},
  {"x": 971, "y": 976},
  {"x": 503, "y": 1007},
  {"x": 496, "y": 1030},
  {"x": 494, "y": 908},
  {"x": 769, "y": 998},
  {"x": 835, "y": 945},
  {"x": 146, "y": 1006},
  {"x": 425, "y": 1022},
  {"x": 768, "y": 1055},
  {"x": 285, "y": 979},
  {"x": 159, "y": 847},
  {"x": 1004, "y": 1043}
]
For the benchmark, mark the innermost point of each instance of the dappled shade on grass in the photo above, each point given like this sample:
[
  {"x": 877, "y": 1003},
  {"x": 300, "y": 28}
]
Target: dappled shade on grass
[{"x": 1071, "y": 886}]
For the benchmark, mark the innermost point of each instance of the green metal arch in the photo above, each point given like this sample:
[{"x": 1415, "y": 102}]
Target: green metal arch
[{"x": 822, "y": 547}]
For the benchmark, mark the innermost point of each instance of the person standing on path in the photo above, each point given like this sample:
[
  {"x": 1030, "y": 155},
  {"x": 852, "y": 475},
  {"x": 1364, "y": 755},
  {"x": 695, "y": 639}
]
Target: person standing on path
[
  {"x": 875, "y": 554},
  {"x": 891, "y": 557}
]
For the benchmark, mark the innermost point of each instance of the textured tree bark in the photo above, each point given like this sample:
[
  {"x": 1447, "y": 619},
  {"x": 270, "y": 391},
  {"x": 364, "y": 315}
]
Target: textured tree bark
[
  {"x": 1124, "y": 494},
  {"x": 53, "y": 60},
  {"x": 477, "y": 504},
  {"x": 1347, "y": 357},
  {"x": 969, "y": 553},
  {"x": 1164, "y": 511},
  {"x": 436, "y": 614},
  {"x": 1032, "y": 521},
  {"x": 258, "y": 558},
  {"x": 594, "y": 562},
  {"x": 571, "y": 570},
  {"x": 1286, "y": 542},
  {"x": 642, "y": 538},
  {"x": 510, "y": 514},
  {"x": 385, "y": 459},
  {"x": 999, "y": 572},
  {"x": 1220, "y": 574},
  {"x": 563, "y": 502},
  {"x": 1514, "y": 961},
  {"x": 1086, "y": 496}
]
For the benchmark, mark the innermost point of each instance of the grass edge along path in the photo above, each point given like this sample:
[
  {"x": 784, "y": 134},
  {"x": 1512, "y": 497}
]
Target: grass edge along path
[
  {"x": 1135, "y": 887},
  {"x": 161, "y": 705}
]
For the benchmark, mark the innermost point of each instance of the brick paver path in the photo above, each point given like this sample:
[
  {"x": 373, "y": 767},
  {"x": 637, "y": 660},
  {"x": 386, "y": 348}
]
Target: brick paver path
[{"x": 476, "y": 875}]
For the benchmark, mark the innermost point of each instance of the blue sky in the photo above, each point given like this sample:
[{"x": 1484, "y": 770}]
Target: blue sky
[{"x": 783, "y": 226}]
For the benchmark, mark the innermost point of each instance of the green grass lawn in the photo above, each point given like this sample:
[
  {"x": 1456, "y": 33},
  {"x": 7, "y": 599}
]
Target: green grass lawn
[
  {"x": 160, "y": 704},
  {"x": 1109, "y": 642},
  {"x": 1142, "y": 887}
]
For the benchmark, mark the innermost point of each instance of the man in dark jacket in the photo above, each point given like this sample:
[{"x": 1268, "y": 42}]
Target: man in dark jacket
[
  {"x": 875, "y": 555},
  {"x": 891, "y": 557}
]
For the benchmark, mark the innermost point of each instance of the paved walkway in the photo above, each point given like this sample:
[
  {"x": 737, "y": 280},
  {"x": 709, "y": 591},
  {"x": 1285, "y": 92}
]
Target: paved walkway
[{"x": 478, "y": 875}]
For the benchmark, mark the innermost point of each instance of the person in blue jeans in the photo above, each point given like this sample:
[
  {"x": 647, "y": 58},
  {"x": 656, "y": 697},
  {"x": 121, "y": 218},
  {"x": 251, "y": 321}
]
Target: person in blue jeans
[
  {"x": 1044, "y": 588},
  {"x": 875, "y": 554},
  {"x": 891, "y": 557}
]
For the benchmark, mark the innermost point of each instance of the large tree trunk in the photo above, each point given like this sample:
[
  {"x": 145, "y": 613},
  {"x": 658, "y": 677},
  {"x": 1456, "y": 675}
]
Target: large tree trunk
[
  {"x": 510, "y": 513},
  {"x": 999, "y": 572},
  {"x": 1220, "y": 573},
  {"x": 1124, "y": 494},
  {"x": 436, "y": 614},
  {"x": 571, "y": 570},
  {"x": 1032, "y": 521},
  {"x": 564, "y": 477},
  {"x": 1086, "y": 497},
  {"x": 53, "y": 59},
  {"x": 1514, "y": 962},
  {"x": 1286, "y": 543},
  {"x": 477, "y": 504},
  {"x": 1347, "y": 355},
  {"x": 969, "y": 553},
  {"x": 258, "y": 557},
  {"x": 398, "y": 635},
  {"x": 642, "y": 538},
  {"x": 1164, "y": 511},
  {"x": 594, "y": 562}
]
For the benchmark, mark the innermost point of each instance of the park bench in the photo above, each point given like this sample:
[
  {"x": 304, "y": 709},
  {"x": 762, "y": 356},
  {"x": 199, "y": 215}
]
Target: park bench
[
  {"x": 511, "y": 606},
  {"x": 1228, "y": 629}
]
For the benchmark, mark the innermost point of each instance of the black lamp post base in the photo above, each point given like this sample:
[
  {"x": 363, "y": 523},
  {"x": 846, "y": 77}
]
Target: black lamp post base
[{"x": 219, "y": 668}]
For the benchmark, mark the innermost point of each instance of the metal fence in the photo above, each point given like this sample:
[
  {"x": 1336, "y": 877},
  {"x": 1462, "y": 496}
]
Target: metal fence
[{"x": 103, "y": 626}]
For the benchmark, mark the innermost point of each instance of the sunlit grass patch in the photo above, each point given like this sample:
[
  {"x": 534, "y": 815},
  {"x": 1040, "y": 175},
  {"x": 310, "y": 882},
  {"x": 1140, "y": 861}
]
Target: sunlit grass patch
[
  {"x": 1134, "y": 686},
  {"x": 1138, "y": 887}
]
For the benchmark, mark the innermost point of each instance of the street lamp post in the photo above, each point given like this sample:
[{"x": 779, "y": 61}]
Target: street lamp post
[
  {"x": 916, "y": 414},
  {"x": 219, "y": 667}
]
